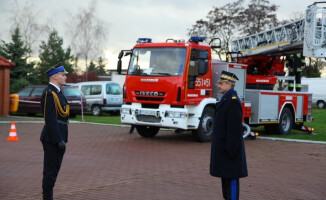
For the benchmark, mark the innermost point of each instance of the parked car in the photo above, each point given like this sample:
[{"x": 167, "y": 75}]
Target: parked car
[
  {"x": 102, "y": 96},
  {"x": 30, "y": 99}
]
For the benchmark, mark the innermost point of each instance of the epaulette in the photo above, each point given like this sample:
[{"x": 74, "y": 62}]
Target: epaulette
[{"x": 234, "y": 97}]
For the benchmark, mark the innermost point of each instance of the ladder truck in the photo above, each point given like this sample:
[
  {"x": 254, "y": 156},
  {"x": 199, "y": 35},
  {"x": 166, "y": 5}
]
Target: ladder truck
[{"x": 173, "y": 84}]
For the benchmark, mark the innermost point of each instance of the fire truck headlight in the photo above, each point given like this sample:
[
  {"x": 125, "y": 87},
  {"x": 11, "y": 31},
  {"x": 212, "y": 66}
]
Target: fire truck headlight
[
  {"x": 126, "y": 111},
  {"x": 175, "y": 114}
]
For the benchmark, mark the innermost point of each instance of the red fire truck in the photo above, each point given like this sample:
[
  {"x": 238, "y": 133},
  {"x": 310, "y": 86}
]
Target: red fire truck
[{"x": 173, "y": 84}]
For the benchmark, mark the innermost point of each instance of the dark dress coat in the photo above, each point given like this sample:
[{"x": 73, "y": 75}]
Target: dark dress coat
[
  {"x": 227, "y": 137},
  {"x": 53, "y": 132}
]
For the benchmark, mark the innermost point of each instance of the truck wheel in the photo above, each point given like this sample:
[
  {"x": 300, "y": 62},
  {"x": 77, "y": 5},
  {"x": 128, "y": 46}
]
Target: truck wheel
[
  {"x": 204, "y": 133},
  {"x": 321, "y": 104},
  {"x": 96, "y": 110},
  {"x": 147, "y": 131},
  {"x": 285, "y": 123}
]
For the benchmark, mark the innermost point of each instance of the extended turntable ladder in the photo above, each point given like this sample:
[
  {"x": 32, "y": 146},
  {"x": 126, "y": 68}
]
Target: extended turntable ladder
[{"x": 306, "y": 35}]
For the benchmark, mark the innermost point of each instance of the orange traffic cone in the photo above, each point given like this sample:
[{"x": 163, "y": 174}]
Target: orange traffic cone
[{"x": 13, "y": 134}]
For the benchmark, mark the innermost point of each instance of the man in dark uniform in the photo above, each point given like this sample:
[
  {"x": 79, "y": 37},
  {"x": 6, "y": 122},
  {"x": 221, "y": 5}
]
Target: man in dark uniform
[
  {"x": 295, "y": 63},
  {"x": 228, "y": 159},
  {"x": 54, "y": 135}
]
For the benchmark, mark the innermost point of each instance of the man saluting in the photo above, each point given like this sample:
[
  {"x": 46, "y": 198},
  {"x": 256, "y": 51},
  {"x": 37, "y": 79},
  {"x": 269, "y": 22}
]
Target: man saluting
[
  {"x": 228, "y": 159},
  {"x": 54, "y": 135}
]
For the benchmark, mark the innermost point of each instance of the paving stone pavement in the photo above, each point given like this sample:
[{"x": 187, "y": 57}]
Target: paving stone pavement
[{"x": 105, "y": 162}]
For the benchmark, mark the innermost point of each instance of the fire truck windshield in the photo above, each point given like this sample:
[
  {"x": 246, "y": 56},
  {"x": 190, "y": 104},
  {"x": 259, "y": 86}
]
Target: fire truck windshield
[{"x": 162, "y": 61}]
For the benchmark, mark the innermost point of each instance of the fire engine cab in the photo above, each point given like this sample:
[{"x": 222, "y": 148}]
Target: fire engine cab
[{"x": 173, "y": 84}]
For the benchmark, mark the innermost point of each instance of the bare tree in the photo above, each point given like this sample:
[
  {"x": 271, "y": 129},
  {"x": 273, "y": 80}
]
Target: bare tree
[
  {"x": 295, "y": 16},
  {"x": 88, "y": 34},
  {"x": 221, "y": 22},
  {"x": 259, "y": 16},
  {"x": 26, "y": 18}
]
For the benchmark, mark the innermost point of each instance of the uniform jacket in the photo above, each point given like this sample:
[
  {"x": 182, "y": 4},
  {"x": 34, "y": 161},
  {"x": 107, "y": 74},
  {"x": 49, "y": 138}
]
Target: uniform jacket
[
  {"x": 295, "y": 61},
  {"x": 227, "y": 136},
  {"x": 53, "y": 132}
]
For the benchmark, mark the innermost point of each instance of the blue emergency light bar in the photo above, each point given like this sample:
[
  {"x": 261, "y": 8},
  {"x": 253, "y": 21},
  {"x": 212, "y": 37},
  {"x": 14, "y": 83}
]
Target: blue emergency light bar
[
  {"x": 144, "y": 40},
  {"x": 196, "y": 39}
]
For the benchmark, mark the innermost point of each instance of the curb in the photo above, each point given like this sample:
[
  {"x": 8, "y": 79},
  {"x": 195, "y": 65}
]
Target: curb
[{"x": 291, "y": 140}]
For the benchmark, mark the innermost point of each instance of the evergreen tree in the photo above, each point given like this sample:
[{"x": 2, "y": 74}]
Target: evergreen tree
[
  {"x": 51, "y": 53},
  {"x": 17, "y": 52},
  {"x": 101, "y": 71},
  {"x": 92, "y": 67}
]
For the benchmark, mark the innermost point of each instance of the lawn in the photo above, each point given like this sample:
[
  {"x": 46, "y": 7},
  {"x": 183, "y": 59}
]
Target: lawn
[
  {"x": 319, "y": 123},
  {"x": 106, "y": 118}
]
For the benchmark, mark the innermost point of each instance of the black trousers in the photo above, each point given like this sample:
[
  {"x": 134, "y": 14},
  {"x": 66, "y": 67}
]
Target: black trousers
[
  {"x": 230, "y": 188},
  {"x": 291, "y": 82},
  {"x": 298, "y": 76},
  {"x": 52, "y": 162}
]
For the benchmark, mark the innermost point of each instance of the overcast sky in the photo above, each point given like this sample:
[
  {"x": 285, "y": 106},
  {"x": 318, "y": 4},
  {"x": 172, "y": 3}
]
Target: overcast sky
[{"x": 131, "y": 19}]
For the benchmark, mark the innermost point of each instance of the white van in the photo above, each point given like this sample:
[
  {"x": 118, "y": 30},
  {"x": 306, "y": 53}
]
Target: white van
[
  {"x": 102, "y": 96},
  {"x": 316, "y": 86}
]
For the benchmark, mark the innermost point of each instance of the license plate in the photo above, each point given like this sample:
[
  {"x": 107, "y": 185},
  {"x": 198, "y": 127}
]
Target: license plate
[
  {"x": 114, "y": 99},
  {"x": 146, "y": 112}
]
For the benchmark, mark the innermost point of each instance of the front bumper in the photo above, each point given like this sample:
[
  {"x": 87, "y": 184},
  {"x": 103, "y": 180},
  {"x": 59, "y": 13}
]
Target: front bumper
[{"x": 136, "y": 115}]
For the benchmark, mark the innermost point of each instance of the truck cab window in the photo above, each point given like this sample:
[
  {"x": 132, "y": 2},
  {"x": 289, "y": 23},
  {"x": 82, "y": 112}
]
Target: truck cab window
[
  {"x": 197, "y": 56},
  {"x": 159, "y": 61}
]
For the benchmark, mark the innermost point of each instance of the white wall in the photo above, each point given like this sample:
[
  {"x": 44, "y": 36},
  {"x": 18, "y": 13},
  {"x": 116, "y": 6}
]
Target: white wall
[{"x": 119, "y": 78}]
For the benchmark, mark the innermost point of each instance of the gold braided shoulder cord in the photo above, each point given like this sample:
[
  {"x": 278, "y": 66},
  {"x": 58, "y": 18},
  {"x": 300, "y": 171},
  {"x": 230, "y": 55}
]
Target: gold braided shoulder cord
[{"x": 58, "y": 107}]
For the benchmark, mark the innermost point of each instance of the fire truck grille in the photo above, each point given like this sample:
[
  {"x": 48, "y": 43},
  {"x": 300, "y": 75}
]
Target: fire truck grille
[
  {"x": 145, "y": 118},
  {"x": 149, "y": 99}
]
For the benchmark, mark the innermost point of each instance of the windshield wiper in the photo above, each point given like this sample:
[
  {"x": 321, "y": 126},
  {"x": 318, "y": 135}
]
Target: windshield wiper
[{"x": 161, "y": 73}]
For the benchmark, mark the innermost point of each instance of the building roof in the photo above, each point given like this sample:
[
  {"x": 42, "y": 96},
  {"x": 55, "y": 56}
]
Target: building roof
[{"x": 6, "y": 63}]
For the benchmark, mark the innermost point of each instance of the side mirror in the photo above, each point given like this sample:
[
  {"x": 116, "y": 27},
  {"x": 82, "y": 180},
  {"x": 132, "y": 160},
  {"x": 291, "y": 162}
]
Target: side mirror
[
  {"x": 122, "y": 52},
  {"x": 119, "y": 66},
  {"x": 215, "y": 46},
  {"x": 120, "y": 55},
  {"x": 202, "y": 67}
]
